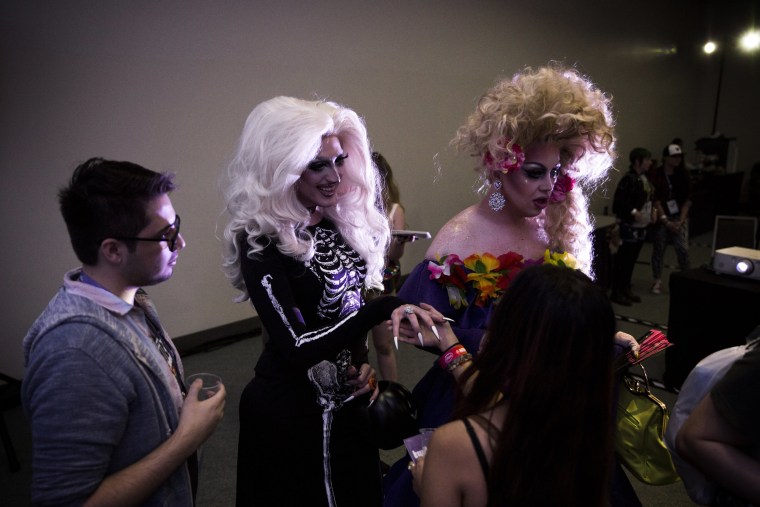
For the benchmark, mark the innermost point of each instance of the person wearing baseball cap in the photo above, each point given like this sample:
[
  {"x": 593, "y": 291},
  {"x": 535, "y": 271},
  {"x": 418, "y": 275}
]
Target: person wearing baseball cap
[
  {"x": 672, "y": 150},
  {"x": 672, "y": 201}
]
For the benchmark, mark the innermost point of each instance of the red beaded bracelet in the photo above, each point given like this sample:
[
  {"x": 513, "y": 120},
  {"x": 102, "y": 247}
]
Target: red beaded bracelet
[{"x": 451, "y": 354}]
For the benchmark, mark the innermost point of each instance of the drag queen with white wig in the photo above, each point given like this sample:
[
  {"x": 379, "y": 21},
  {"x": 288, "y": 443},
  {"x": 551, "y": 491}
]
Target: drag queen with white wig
[{"x": 304, "y": 242}]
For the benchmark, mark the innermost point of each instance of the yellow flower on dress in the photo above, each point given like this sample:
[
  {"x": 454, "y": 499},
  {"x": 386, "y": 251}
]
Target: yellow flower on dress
[
  {"x": 487, "y": 274},
  {"x": 563, "y": 259},
  {"x": 484, "y": 275},
  {"x": 482, "y": 263}
]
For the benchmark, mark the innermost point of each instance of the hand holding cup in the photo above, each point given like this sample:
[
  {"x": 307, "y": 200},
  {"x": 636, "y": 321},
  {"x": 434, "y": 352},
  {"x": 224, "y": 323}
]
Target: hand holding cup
[{"x": 210, "y": 384}]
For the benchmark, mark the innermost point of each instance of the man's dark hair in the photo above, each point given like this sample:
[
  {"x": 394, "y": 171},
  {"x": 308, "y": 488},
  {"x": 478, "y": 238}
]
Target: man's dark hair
[
  {"x": 638, "y": 154},
  {"x": 107, "y": 199}
]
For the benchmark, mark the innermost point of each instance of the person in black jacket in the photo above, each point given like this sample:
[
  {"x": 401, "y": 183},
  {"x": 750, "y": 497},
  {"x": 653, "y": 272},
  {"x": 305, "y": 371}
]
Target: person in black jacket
[{"x": 632, "y": 206}]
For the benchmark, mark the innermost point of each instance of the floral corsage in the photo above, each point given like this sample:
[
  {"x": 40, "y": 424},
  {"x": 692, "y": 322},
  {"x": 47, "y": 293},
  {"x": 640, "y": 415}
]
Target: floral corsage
[
  {"x": 562, "y": 186},
  {"x": 488, "y": 275},
  {"x": 513, "y": 161}
]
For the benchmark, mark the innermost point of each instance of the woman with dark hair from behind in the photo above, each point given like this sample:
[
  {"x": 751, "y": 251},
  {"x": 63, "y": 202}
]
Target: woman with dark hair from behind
[{"x": 535, "y": 402}]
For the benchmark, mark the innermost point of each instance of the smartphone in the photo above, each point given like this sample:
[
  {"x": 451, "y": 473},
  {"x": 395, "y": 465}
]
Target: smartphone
[{"x": 410, "y": 235}]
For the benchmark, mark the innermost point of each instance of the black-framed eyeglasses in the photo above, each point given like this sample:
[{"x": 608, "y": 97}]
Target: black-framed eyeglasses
[{"x": 170, "y": 236}]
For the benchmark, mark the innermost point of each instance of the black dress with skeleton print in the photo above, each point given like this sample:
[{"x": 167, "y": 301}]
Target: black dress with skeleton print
[{"x": 317, "y": 323}]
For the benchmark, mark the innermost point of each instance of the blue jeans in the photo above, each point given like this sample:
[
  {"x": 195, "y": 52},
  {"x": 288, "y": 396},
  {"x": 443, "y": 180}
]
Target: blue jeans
[{"x": 680, "y": 240}]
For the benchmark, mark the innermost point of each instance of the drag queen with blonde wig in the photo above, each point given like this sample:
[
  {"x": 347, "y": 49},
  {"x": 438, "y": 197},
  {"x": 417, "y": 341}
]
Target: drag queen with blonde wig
[
  {"x": 304, "y": 241},
  {"x": 542, "y": 140},
  {"x": 550, "y": 106}
]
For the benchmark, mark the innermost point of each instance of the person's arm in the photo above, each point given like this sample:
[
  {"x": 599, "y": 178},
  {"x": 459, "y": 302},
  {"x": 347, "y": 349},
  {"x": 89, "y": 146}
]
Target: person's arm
[
  {"x": 444, "y": 338},
  {"x": 396, "y": 247},
  {"x": 685, "y": 207},
  {"x": 710, "y": 444},
  {"x": 659, "y": 196},
  {"x": 303, "y": 344},
  {"x": 659, "y": 212},
  {"x": 623, "y": 203},
  {"x": 134, "y": 484}
]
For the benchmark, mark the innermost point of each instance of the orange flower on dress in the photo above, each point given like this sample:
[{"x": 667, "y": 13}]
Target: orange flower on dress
[{"x": 488, "y": 275}]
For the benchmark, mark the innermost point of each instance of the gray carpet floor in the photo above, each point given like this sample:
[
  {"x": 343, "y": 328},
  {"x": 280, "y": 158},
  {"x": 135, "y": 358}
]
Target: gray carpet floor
[{"x": 234, "y": 363}]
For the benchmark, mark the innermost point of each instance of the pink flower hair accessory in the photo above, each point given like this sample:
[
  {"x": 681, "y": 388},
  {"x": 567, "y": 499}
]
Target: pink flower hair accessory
[
  {"x": 513, "y": 161},
  {"x": 562, "y": 186}
]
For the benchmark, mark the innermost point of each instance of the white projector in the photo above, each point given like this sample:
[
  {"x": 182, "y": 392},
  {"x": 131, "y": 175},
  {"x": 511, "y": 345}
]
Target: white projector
[{"x": 738, "y": 261}]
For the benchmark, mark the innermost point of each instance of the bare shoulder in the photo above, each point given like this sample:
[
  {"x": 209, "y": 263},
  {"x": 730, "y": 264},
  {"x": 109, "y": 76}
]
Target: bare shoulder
[
  {"x": 399, "y": 218},
  {"x": 453, "y": 467},
  {"x": 451, "y": 439},
  {"x": 454, "y": 234}
]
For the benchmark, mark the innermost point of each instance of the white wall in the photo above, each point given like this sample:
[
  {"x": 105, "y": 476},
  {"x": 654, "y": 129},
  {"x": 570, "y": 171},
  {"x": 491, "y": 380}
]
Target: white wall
[{"x": 169, "y": 84}]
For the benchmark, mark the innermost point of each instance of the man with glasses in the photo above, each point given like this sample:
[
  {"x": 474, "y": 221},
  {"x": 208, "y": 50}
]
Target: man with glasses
[{"x": 112, "y": 421}]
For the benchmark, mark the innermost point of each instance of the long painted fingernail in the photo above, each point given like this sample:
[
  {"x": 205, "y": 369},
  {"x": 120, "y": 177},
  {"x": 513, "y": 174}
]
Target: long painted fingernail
[
  {"x": 448, "y": 319},
  {"x": 348, "y": 399},
  {"x": 422, "y": 342},
  {"x": 395, "y": 341},
  {"x": 435, "y": 332},
  {"x": 371, "y": 402}
]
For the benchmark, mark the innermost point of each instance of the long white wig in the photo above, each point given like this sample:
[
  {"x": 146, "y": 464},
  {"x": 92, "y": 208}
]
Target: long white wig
[{"x": 280, "y": 137}]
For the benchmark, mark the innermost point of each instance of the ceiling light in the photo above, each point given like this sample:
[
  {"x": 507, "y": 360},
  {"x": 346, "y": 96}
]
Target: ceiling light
[
  {"x": 750, "y": 41},
  {"x": 710, "y": 47}
]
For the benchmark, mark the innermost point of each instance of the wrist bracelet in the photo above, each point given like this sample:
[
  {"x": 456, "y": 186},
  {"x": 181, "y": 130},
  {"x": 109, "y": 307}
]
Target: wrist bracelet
[
  {"x": 452, "y": 353},
  {"x": 456, "y": 344},
  {"x": 459, "y": 361}
]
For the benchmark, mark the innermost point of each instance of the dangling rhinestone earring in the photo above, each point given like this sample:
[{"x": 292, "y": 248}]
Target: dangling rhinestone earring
[{"x": 496, "y": 201}]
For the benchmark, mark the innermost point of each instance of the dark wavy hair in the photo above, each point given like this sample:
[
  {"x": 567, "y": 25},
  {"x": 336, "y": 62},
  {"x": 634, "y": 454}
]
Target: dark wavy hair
[
  {"x": 391, "y": 193},
  {"x": 107, "y": 199},
  {"x": 548, "y": 349}
]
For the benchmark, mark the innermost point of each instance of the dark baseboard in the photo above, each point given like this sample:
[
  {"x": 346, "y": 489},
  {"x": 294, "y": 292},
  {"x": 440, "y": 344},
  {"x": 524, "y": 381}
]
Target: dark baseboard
[{"x": 216, "y": 337}]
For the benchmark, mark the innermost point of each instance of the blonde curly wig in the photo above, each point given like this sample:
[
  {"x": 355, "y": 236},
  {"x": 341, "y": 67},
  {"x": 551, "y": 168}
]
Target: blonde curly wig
[{"x": 557, "y": 104}]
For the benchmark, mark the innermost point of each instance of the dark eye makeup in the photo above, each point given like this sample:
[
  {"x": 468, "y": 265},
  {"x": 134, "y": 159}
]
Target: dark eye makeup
[
  {"x": 319, "y": 164},
  {"x": 536, "y": 170}
]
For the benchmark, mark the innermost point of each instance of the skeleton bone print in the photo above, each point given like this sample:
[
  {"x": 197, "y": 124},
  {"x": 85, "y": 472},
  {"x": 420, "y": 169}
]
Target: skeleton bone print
[
  {"x": 342, "y": 271},
  {"x": 330, "y": 380}
]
